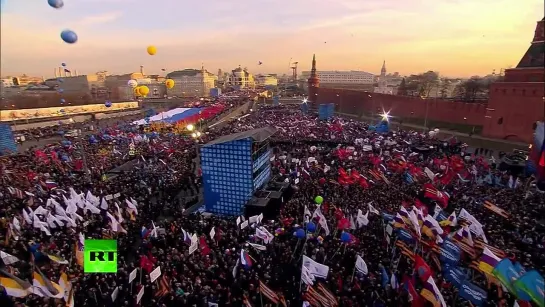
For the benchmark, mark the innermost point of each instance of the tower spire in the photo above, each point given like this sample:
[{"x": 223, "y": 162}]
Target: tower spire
[
  {"x": 313, "y": 84},
  {"x": 383, "y": 69}
]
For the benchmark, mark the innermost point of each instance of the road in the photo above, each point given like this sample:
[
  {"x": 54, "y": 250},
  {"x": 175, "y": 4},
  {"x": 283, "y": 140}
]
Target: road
[{"x": 45, "y": 141}]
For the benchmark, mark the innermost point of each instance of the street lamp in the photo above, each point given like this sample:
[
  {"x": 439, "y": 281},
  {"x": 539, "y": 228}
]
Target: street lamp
[
  {"x": 385, "y": 116},
  {"x": 190, "y": 127},
  {"x": 426, "y": 116}
]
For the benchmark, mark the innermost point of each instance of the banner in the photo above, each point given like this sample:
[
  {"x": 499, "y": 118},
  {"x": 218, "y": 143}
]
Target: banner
[
  {"x": 472, "y": 293},
  {"x": 454, "y": 275}
]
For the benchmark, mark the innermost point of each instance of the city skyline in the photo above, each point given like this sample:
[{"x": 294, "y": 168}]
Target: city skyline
[{"x": 458, "y": 38}]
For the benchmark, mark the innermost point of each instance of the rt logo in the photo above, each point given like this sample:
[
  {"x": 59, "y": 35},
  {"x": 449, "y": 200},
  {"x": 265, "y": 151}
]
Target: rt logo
[{"x": 100, "y": 256}]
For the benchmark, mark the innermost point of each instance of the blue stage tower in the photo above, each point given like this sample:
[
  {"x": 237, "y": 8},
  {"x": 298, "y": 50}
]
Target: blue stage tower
[{"x": 233, "y": 168}]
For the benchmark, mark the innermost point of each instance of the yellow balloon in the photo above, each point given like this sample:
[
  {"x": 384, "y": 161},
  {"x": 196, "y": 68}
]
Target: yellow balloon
[
  {"x": 169, "y": 83},
  {"x": 152, "y": 50},
  {"x": 137, "y": 91},
  {"x": 144, "y": 90}
]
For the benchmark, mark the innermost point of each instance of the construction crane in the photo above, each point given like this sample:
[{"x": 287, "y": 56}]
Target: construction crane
[{"x": 294, "y": 71}]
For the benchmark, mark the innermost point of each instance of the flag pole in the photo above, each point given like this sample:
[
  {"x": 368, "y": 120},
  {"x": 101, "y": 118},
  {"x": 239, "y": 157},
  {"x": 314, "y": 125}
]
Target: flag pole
[{"x": 353, "y": 273}]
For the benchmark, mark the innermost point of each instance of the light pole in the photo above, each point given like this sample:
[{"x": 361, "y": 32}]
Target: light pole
[{"x": 426, "y": 115}]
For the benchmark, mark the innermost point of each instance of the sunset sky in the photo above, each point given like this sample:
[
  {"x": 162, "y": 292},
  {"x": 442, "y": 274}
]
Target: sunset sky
[{"x": 458, "y": 38}]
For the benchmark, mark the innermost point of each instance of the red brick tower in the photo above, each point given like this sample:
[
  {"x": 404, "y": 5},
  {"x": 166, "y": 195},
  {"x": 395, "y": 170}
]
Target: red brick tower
[
  {"x": 517, "y": 102},
  {"x": 313, "y": 85}
]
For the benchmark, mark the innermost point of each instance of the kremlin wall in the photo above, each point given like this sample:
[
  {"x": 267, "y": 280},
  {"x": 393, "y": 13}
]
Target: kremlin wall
[{"x": 515, "y": 104}]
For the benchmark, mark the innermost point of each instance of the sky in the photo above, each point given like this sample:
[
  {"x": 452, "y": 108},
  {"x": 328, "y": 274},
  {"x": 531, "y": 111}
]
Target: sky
[{"x": 458, "y": 38}]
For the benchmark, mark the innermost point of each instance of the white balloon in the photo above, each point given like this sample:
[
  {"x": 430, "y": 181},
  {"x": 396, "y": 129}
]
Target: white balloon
[
  {"x": 132, "y": 83},
  {"x": 436, "y": 130}
]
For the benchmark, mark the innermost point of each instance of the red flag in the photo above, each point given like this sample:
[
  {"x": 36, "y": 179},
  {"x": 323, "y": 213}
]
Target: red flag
[
  {"x": 414, "y": 297},
  {"x": 146, "y": 264},
  {"x": 363, "y": 183},
  {"x": 423, "y": 269},
  {"x": 78, "y": 165},
  {"x": 339, "y": 214},
  {"x": 205, "y": 250},
  {"x": 343, "y": 223}
]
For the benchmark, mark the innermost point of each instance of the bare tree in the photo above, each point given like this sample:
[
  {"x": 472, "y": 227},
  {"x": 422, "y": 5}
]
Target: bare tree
[
  {"x": 422, "y": 84},
  {"x": 473, "y": 89}
]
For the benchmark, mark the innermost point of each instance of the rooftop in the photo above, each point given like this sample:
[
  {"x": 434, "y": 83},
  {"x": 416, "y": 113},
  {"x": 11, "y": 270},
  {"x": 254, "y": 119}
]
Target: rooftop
[
  {"x": 258, "y": 135},
  {"x": 190, "y": 72}
]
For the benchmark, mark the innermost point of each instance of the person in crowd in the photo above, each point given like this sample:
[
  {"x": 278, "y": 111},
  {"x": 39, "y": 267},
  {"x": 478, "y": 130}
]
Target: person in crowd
[{"x": 145, "y": 202}]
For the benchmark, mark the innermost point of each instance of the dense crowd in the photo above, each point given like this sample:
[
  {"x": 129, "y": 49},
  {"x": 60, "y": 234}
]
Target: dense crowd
[{"x": 352, "y": 168}]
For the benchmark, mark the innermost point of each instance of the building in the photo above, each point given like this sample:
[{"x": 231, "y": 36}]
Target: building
[
  {"x": 191, "y": 83},
  {"x": 352, "y": 79},
  {"x": 383, "y": 86},
  {"x": 233, "y": 168},
  {"x": 266, "y": 80},
  {"x": 518, "y": 101},
  {"x": 91, "y": 85},
  {"x": 25, "y": 80},
  {"x": 313, "y": 85},
  {"x": 7, "y": 82},
  {"x": 240, "y": 78}
]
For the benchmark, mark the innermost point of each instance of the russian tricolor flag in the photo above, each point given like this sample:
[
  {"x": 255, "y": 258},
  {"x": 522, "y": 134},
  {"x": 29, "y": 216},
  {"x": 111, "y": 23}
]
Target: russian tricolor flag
[
  {"x": 144, "y": 232},
  {"x": 245, "y": 259},
  {"x": 187, "y": 237},
  {"x": 50, "y": 184}
]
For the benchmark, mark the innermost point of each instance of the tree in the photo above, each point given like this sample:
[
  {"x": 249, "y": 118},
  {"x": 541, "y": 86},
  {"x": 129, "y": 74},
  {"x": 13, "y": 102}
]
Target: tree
[
  {"x": 422, "y": 84},
  {"x": 402, "y": 89},
  {"x": 471, "y": 89},
  {"x": 444, "y": 88}
]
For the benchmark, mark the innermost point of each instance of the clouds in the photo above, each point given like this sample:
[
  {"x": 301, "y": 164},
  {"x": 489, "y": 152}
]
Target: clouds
[
  {"x": 100, "y": 18},
  {"x": 412, "y": 35}
]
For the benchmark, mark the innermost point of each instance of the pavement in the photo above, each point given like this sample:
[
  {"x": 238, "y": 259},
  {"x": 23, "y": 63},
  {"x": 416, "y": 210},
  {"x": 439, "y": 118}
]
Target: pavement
[{"x": 475, "y": 141}]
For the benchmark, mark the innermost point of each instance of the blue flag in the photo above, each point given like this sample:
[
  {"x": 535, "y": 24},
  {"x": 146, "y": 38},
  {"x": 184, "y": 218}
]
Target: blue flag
[
  {"x": 454, "y": 275},
  {"x": 450, "y": 253},
  {"x": 520, "y": 292},
  {"x": 472, "y": 293},
  {"x": 405, "y": 236},
  {"x": 385, "y": 278},
  {"x": 532, "y": 283}
]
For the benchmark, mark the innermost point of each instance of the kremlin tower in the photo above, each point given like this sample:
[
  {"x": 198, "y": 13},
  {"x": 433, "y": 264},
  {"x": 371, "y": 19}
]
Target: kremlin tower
[
  {"x": 517, "y": 102},
  {"x": 313, "y": 85}
]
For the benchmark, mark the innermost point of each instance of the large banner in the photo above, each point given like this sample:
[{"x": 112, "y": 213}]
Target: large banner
[
  {"x": 22, "y": 114},
  {"x": 7, "y": 143}
]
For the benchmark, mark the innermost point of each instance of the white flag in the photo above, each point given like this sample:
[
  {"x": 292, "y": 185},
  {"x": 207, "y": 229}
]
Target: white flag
[
  {"x": 213, "y": 233},
  {"x": 258, "y": 246},
  {"x": 140, "y": 294},
  {"x": 315, "y": 268},
  {"x": 306, "y": 276},
  {"x": 361, "y": 219},
  {"x": 372, "y": 209},
  {"x": 7, "y": 258},
  {"x": 243, "y": 224},
  {"x": 361, "y": 266},
  {"x": 306, "y": 215},
  {"x": 155, "y": 274},
  {"x": 236, "y": 268},
  {"x": 194, "y": 244}
]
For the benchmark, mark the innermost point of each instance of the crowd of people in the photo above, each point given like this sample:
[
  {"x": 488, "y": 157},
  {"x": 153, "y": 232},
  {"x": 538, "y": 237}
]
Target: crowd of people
[{"x": 53, "y": 198}]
